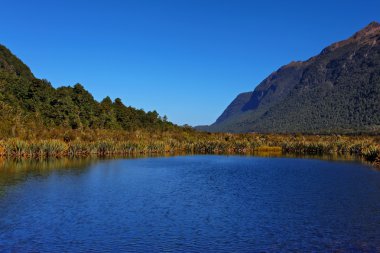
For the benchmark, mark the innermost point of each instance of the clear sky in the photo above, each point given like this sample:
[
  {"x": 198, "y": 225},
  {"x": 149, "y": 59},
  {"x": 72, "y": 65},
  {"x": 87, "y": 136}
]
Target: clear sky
[{"x": 187, "y": 59}]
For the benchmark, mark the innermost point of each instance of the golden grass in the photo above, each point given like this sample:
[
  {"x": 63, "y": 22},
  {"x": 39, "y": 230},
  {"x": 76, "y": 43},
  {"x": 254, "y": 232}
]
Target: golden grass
[{"x": 85, "y": 144}]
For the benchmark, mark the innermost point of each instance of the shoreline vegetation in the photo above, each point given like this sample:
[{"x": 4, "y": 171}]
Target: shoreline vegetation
[{"x": 105, "y": 144}]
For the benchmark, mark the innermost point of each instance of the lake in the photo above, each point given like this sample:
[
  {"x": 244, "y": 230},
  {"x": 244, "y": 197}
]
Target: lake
[{"x": 199, "y": 203}]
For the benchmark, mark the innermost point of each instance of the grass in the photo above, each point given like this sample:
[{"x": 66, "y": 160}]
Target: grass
[{"x": 367, "y": 147}]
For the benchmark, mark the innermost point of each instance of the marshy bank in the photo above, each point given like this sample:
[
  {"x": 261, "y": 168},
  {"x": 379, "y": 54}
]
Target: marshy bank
[{"x": 366, "y": 147}]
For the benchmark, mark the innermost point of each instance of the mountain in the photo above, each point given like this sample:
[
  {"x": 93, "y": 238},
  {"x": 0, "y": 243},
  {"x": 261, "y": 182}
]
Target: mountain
[
  {"x": 337, "y": 91},
  {"x": 29, "y": 105}
]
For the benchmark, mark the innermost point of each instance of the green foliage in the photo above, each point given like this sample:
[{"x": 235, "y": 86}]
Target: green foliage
[
  {"x": 11, "y": 63},
  {"x": 24, "y": 101}
]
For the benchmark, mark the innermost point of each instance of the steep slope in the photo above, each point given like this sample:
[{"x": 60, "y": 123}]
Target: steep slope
[
  {"x": 334, "y": 92},
  {"x": 236, "y": 107}
]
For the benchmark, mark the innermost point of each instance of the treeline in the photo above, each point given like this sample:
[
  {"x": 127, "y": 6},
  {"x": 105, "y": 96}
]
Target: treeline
[
  {"x": 32, "y": 109},
  {"x": 30, "y": 105}
]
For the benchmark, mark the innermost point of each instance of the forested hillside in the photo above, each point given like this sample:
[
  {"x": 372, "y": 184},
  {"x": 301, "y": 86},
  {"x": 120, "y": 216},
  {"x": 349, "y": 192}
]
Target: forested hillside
[{"x": 29, "y": 105}]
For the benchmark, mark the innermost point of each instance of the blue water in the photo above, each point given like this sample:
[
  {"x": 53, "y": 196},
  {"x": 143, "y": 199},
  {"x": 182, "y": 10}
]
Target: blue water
[{"x": 191, "y": 204}]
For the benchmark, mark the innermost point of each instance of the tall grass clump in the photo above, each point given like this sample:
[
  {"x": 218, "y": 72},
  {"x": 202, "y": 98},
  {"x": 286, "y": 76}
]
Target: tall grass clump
[
  {"x": 53, "y": 148},
  {"x": 21, "y": 148},
  {"x": 16, "y": 147},
  {"x": 371, "y": 153}
]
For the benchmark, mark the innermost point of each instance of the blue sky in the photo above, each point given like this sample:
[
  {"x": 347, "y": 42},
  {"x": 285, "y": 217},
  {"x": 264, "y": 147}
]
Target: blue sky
[{"x": 187, "y": 59}]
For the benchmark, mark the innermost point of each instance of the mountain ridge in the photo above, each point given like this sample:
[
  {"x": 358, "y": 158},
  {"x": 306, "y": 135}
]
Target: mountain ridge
[{"x": 347, "y": 65}]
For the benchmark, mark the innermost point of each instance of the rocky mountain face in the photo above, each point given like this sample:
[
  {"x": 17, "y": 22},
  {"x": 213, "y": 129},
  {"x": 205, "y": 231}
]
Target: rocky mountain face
[{"x": 337, "y": 91}]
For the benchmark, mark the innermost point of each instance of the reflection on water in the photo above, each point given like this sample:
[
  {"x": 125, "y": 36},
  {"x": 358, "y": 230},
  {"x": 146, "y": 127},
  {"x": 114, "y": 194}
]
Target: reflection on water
[{"x": 15, "y": 170}]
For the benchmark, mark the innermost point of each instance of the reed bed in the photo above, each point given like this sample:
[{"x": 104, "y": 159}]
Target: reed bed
[{"x": 367, "y": 147}]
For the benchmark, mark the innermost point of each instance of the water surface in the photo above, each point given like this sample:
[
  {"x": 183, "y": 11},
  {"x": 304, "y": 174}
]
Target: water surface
[{"x": 190, "y": 203}]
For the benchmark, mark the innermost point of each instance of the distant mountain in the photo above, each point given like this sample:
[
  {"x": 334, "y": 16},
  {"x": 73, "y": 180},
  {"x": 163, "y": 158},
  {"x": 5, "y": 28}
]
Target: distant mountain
[
  {"x": 28, "y": 104},
  {"x": 337, "y": 91}
]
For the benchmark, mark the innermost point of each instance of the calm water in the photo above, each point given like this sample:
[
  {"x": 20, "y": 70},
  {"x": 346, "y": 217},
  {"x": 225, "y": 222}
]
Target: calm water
[{"x": 190, "y": 203}]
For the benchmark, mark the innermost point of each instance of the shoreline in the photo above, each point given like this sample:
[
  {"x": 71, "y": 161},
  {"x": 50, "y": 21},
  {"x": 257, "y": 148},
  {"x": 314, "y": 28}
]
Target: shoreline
[{"x": 366, "y": 148}]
